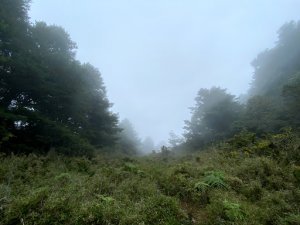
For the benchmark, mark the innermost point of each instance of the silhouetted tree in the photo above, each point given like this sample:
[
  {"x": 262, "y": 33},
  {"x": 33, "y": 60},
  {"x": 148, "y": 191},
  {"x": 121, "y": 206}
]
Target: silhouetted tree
[
  {"x": 291, "y": 95},
  {"x": 213, "y": 117},
  {"x": 275, "y": 66},
  {"x": 261, "y": 115}
]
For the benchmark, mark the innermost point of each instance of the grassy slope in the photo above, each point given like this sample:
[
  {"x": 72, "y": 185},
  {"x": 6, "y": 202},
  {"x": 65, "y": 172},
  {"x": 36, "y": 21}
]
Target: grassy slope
[{"x": 213, "y": 187}]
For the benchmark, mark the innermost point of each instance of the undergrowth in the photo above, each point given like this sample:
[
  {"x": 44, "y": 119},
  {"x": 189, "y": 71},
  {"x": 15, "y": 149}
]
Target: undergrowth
[{"x": 245, "y": 181}]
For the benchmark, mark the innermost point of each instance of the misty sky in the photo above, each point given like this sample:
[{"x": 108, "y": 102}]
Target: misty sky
[{"x": 154, "y": 55}]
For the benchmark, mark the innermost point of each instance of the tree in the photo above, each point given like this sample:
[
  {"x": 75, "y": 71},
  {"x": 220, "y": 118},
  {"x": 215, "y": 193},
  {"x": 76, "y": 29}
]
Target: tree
[
  {"x": 274, "y": 87},
  {"x": 261, "y": 115},
  {"x": 48, "y": 99},
  {"x": 128, "y": 138},
  {"x": 275, "y": 66},
  {"x": 175, "y": 140},
  {"x": 213, "y": 116},
  {"x": 291, "y": 95}
]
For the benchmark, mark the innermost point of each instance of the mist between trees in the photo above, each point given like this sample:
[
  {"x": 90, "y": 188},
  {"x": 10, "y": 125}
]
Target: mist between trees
[
  {"x": 66, "y": 158},
  {"x": 51, "y": 101}
]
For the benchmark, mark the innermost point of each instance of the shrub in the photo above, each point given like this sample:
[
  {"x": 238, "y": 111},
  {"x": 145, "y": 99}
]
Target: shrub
[
  {"x": 296, "y": 173},
  {"x": 233, "y": 211},
  {"x": 235, "y": 183},
  {"x": 201, "y": 186},
  {"x": 161, "y": 210},
  {"x": 292, "y": 219},
  {"x": 63, "y": 178},
  {"x": 215, "y": 179},
  {"x": 253, "y": 191}
]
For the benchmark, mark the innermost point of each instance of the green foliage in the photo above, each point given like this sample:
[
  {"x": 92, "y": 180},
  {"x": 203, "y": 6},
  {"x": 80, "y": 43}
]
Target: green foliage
[
  {"x": 106, "y": 199},
  {"x": 282, "y": 146},
  {"x": 234, "y": 182},
  {"x": 38, "y": 111},
  {"x": 273, "y": 67},
  {"x": 253, "y": 178},
  {"x": 242, "y": 139},
  {"x": 218, "y": 189},
  {"x": 57, "y": 192},
  {"x": 213, "y": 117},
  {"x": 292, "y": 219},
  {"x": 253, "y": 191},
  {"x": 201, "y": 186},
  {"x": 296, "y": 173},
  {"x": 63, "y": 178},
  {"x": 178, "y": 182},
  {"x": 272, "y": 104},
  {"x": 128, "y": 166},
  {"x": 215, "y": 179},
  {"x": 262, "y": 115},
  {"x": 167, "y": 211},
  {"x": 291, "y": 96},
  {"x": 233, "y": 211}
]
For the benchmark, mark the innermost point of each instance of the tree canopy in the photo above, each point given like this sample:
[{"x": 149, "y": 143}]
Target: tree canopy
[
  {"x": 212, "y": 117},
  {"x": 272, "y": 101},
  {"x": 48, "y": 99}
]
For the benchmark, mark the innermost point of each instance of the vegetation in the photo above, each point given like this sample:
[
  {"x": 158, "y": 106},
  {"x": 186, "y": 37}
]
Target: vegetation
[
  {"x": 212, "y": 117},
  {"x": 272, "y": 101},
  {"x": 129, "y": 142},
  {"x": 255, "y": 183},
  {"x": 65, "y": 158},
  {"x": 48, "y": 99}
]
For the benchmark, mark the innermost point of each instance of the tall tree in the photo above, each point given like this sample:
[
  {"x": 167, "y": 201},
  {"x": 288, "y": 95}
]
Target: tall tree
[
  {"x": 48, "y": 99},
  {"x": 213, "y": 116},
  {"x": 275, "y": 66},
  {"x": 262, "y": 115},
  {"x": 274, "y": 87},
  {"x": 291, "y": 95}
]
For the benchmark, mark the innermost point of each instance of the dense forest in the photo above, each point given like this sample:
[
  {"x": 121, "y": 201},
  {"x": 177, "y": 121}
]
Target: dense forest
[
  {"x": 270, "y": 105},
  {"x": 67, "y": 159}
]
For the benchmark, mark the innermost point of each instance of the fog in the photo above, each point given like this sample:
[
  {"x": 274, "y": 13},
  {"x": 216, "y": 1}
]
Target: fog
[{"x": 155, "y": 55}]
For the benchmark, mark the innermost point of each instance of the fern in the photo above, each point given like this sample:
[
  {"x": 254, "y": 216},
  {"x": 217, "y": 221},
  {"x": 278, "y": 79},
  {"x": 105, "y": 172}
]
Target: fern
[
  {"x": 233, "y": 211},
  {"x": 106, "y": 199},
  {"x": 212, "y": 179},
  {"x": 215, "y": 179},
  {"x": 201, "y": 186}
]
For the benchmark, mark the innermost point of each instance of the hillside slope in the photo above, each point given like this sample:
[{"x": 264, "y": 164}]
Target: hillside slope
[{"x": 246, "y": 181}]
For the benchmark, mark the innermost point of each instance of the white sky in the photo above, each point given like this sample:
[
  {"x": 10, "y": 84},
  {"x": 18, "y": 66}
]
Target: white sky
[{"x": 154, "y": 55}]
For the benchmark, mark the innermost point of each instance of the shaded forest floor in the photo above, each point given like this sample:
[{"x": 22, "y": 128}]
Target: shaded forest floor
[{"x": 211, "y": 187}]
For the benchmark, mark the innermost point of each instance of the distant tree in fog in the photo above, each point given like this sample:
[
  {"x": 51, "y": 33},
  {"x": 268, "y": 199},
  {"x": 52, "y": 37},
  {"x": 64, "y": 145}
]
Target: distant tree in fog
[
  {"x": 128, "y": 139},
  {"x": 213, "y": 116},
  {"x": 175, "y": 140}
]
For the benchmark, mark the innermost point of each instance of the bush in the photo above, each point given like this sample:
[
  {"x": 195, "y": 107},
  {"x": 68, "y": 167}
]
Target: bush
[
  {"x": 233, "y": 211},
  {"x": 161, "y": 210},
  {"x": 215, "y": 179},
  {"x": 253, "y": 191}
]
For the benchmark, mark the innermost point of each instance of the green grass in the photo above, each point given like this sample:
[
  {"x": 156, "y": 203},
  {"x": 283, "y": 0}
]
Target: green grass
[{"x": 211, "y": 187}]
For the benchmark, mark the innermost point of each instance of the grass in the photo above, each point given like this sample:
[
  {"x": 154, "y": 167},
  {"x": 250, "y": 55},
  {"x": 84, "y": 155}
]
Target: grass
[{"x": 210, "y": 187}]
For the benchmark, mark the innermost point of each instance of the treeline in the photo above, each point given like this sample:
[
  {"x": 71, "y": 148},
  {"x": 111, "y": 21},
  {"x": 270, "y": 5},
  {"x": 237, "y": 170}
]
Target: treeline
[
  {"x": 51, "y": 101},
  {"x": 272, "y": 103},
  {"x": 48, "y": 99}
]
